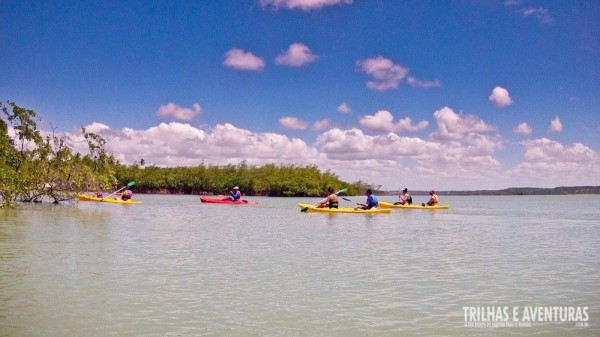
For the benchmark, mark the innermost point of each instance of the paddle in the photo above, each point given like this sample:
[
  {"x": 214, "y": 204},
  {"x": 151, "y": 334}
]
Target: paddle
[
  {"x": 131, "y": 183},
  {"x": 323, "y": 200},
  {"x": 358, "y": 203}
]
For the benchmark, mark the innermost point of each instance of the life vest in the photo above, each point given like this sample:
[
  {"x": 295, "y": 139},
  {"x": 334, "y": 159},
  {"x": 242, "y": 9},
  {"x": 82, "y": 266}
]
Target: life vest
[
  {"x": 127, "y": 195},
  {"x": 236, "y": 195},
  {"x": 333, "y": 201},
  {"x": 372, "y": 201},
  {"x": 436, "y": 199}
]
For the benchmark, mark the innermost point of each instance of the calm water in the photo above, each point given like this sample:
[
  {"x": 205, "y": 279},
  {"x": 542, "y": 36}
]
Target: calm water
[{"x": 175, "y": 267}]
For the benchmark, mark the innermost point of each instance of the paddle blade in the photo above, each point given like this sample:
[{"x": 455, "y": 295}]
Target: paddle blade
[
  {"x": 305, "y": 209},
  {"x": 131, "y": 183},
  {"x": 343, "y": 190}
]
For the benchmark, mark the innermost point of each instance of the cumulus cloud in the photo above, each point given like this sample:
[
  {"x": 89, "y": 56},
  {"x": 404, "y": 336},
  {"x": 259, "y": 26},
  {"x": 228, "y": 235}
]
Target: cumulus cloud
[
  {"x": 387, "y": 154},
  {"x": 353, "y": 144},
  {"x": 321, "y": 125},
  {"x": 500, "y": 97},
  {"x": 547, "y": 162},
  {"x": 464, "y": 162},
  {"x": 304, "y": 5},
  {"x": 555, "y": 125},
  {"x": 386, "y": 75},
  {"x": 242, "y": 60},
  {"x": 179, "y": 144},
  {"x": 178, "y": 113},
  {"x": 296, "y": 55},
  {"x": 454, "y": 127},
  {"x": 344, "y": 108},
  {"x": 523, "y": 129},
  {"x": 96, "y": 127},
  {"x": 384, "y": 121},
  {"x": 292, "y": 123}
]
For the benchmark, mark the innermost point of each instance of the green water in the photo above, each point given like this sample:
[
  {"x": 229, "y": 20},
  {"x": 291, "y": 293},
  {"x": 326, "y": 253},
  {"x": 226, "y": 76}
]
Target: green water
[{"x": 175, "y": 267}]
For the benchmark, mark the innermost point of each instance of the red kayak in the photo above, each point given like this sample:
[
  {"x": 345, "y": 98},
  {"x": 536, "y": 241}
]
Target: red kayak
[{"x": 207, "y": 200}]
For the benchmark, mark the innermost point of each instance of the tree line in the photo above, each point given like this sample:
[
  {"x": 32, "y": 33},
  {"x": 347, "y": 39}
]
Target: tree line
[
  {"x": 266, "y": 180},
  {"x": 37, "y": 166}
]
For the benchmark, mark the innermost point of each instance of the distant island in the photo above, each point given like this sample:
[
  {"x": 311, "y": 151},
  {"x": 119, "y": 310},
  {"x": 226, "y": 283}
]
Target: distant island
[{"x": 562, "y": 190}]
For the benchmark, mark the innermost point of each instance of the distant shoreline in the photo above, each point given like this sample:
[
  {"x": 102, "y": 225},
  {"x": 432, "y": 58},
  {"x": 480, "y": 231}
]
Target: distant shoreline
[{"x": 562, "y": 190}]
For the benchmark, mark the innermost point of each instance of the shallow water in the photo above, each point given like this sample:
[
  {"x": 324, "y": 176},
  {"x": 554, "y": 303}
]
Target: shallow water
[{"x": 175, "y": 267}]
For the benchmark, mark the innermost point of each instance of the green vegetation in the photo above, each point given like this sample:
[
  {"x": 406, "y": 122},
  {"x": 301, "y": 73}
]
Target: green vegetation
[
  {"x": 268, "y": 180},
  {"x": 36, "y": 167}
]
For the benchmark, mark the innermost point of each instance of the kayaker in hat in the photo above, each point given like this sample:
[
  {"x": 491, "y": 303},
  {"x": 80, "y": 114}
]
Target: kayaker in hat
[
  {"x": 331, "y": 201},
  {"x": 434, "y": 200},
  {"x": 405, "y": 198},
  {"x": 127, "y": 194},
  {"x": 371, "y": 201},
  {"x": 235, "y": 195}
]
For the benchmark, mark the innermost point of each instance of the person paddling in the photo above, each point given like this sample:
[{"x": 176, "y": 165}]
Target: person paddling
[
  {"x": 434, "y": 200},
  {"x": 331, "y": 201},
  {"x": 235, "y": 195},
  {"x": 405, "y": 198},
  {"x": 127, "y": 195},
  {"x": 371, "y": 201}
]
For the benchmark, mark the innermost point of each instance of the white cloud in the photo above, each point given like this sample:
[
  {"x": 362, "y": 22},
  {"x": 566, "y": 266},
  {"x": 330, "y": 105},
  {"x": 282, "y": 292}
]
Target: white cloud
[
  {"x": 344, "y": 108},
  {"x": 321, "y": 125},
  {"x": 500, "y": 97},
  {"x": 386, "y": 75},
  {"x": 292, "y": 123},
  {"x": 384, "y": 121},
  {"x": 523, "y": 129},
  {"x": 296, "y": 55},
  {"x": 422, "y": 84},
  {"x": 242, "y": 60},
  {"x": 178, "y": 113},
  {"x": 549, "y": 163},
  {"x": 390, "y": 154},
  {"x": 555, "y": 125},
  {"x": 178, "y": 144},
  {"x": 542, "y": 14},
  {"x": 458, "y": 155},
  {"x": 453, "y": 126},
  {"x": 96, "y": 127},
  {"x": 305, "y": 5}
]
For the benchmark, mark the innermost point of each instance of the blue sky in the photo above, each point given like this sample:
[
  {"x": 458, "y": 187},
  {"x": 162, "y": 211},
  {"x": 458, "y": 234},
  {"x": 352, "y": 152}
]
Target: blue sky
[{"x": 417, "y": 94}]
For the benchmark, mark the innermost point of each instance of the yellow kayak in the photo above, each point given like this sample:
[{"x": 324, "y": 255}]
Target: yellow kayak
[
  {"x": 313, "y": 208},
  {"x": 85, "y": 197},
  {"x": 389, "y": 205}
]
